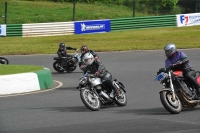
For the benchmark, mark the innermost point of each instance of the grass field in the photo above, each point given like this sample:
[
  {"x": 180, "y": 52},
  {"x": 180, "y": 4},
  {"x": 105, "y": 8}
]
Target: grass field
[
  {"x": 21, "y": 12},
  {"x": 144, "y": 39},
  {"x": 14, "y": 69}
]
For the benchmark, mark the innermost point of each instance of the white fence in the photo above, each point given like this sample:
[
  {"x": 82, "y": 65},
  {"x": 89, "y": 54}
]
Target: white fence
[{"x": 47, "y": 29}]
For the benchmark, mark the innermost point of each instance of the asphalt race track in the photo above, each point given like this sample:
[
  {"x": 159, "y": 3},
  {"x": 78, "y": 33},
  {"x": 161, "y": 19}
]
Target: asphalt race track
[{"x": 62, "y": 111}]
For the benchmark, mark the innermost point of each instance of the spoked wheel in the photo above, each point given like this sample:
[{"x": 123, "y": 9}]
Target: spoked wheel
[
  {"x": 57, "y": 67},
  {"x": 3, "y": 60},
  {"x": 122, "y": 101},
  {"x": 90, "y": 100},
  {"x": 173, "y": 106}
]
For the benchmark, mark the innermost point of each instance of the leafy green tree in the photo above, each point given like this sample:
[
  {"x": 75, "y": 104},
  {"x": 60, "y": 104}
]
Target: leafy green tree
[
  {"x": 189, "y": 6},
  {"x": 162, "y": 6}
]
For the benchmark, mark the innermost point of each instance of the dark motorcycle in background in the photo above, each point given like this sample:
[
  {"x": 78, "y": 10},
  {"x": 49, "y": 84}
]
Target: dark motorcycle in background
[
  {"x": 177, "y": 92},
  {"x": 67, "y": 64},
  {"x": 94, "y": 94},
  {"x": 3, "y": 60}
]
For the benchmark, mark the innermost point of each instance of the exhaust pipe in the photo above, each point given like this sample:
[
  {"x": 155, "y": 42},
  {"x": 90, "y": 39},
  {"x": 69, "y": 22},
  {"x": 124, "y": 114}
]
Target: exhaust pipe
[{"x": 191, "y": 101}]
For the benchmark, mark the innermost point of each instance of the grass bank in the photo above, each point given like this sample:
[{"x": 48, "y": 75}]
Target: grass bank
[
  {"x": 22, "y": 12},
  {"x": 145, "y": 39},
  {"x": 15, "y": 69}
]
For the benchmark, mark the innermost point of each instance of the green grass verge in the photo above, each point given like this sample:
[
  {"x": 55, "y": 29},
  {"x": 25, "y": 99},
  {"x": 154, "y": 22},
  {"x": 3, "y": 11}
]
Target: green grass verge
[
  {"x": 14, "y": 69},
  {"x": 21, "y": 12},
  {"x": 144, "y": 39}
]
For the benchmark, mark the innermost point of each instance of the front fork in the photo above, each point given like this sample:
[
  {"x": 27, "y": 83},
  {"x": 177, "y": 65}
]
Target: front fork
[{"x": 171, "y": 87}]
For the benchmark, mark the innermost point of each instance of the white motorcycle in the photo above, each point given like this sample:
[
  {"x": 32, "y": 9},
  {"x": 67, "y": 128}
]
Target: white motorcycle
[{"x": 94, "y": 94}]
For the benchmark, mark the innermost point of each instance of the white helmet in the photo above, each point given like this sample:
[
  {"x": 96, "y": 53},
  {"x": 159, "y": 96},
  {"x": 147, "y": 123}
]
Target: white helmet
[
  {"x": 170, "y": 49},
  {"x": 88, "y": 59}
]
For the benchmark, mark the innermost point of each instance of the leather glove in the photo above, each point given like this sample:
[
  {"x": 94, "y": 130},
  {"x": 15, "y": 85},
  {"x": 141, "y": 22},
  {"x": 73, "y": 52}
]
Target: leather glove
[
  {"x": 171, "y": 65},
  {"x": 97, "y": 73},
  {"x": 96, "y": 58}
]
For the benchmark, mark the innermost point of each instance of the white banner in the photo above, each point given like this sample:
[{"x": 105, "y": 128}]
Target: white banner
[
  {"x": 2, "y": 30},
  {"x": 188, "y": 19}
]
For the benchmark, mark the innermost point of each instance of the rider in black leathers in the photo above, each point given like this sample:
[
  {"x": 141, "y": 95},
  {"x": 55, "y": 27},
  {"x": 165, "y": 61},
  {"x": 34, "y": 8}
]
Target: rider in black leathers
[
  {"x": 62, "y": 51},
  {"x": 96, "y": 67}
]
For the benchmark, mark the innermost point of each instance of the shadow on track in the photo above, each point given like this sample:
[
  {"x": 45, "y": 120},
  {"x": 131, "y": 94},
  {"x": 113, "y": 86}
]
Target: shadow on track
[
  {"x": 68, "y": 88},
  {"x": 155, "y": 111},
  {"x": 65, "y": 109}
]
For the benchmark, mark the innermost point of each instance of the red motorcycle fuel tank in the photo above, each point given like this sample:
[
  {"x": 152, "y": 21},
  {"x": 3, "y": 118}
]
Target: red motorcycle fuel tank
[{"x": 178, "y": 73}]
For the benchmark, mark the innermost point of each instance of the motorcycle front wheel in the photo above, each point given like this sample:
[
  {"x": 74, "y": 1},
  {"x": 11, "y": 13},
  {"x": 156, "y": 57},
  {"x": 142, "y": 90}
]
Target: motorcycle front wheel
[
  {"x": 173, "y": 106},
  {"x": 122, "y": 101},
  {"x": 90, "y": 100},
  {"x": 71, "y": 69},
  {"x": 3, "y": 60},
  {"x": 57, "y": 67}
]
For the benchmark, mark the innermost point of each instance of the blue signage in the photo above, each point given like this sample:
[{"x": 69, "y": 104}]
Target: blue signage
[
  {"x": 85, "y": 27},
  {"x": 3, "y": 30}
]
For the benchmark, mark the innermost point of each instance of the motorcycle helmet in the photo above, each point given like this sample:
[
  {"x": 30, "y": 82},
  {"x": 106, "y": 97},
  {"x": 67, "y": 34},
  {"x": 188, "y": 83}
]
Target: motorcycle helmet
[
  {"x": 88, "y": 59},
  {"x": 84, "y": 49},
  {"x": 62, "y": 46},
  {"x": 169, "y": 49}
]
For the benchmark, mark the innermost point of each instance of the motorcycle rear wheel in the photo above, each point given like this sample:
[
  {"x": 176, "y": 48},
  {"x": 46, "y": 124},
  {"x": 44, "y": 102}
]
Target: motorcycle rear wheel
[
  {"x": 90, "y": 100},
  {"x": 174, "y": 107},
  {"x": 3, "y": 60},
  {"x": 56, "y": 65}
]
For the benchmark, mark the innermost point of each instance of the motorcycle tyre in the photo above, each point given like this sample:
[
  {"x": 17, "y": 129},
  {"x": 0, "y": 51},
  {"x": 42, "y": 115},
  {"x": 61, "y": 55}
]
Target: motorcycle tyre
[
  {"x": 86, "y": 103},
  {"x": 118, "y": 101},
  {"x": 5, "y": 60},
  {"x": 169, "y": 107},
  {"x": 57, "y": 69}
]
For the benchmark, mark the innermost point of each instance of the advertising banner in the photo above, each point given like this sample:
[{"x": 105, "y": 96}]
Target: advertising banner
[
  {"x": 93, "y": 26},
  {"x": 2, "y": 30},
  {"x": 188, "y": 19}
]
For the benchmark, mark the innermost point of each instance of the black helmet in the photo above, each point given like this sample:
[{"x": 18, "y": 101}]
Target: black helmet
[
  {"x": 169, "y": 49},
  {"x": 62, "y": 45},
  {"x": 84, "y": 49}
]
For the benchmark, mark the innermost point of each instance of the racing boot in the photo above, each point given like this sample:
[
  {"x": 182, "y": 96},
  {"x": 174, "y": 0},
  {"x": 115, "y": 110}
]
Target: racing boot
[{"x": 198, "y": 94}]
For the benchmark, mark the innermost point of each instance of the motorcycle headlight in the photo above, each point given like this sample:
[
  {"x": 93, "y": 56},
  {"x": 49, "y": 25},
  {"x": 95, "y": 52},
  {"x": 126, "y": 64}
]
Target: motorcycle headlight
[{"x": 98, "y": 87}]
